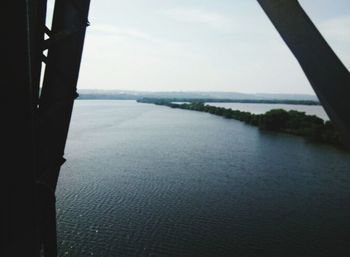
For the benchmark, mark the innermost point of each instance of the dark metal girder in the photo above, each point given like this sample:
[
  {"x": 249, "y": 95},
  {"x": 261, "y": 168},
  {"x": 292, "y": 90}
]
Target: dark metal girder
[
  {"x": 17, "y": 214},
  {"x": 65, "y": 48},
  {"x": 60, "y": 80},
  {"x": 326, "y": 73}
]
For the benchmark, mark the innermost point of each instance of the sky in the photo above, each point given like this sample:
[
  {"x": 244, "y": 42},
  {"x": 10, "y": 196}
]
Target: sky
[{"x": 200, "y": 45}]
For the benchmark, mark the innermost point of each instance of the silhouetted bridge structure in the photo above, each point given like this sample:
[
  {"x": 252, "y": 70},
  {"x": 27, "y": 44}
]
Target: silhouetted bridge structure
[{"x": 36, "y": 124}]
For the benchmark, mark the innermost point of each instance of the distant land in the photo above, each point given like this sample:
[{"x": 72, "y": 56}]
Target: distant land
[
  {"x": 278, "y": 120},
  {"x": 208, "y": 96}
]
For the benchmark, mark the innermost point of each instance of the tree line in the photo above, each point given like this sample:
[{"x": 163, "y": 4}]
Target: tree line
[
  {"x": 279, "y": 120},
  {"x": 214, "y": 100}
]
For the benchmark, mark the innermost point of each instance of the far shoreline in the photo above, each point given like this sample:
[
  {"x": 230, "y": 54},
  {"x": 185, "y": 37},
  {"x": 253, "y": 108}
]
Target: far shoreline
[
  {"x": 277, "y": 120},
  {"x": 207, "y": 100}
]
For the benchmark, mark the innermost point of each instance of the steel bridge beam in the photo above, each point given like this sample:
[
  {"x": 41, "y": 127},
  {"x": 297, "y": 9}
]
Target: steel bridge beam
[
  {"x": 326, "y": 73},
  {"x": 65, "y": 47},
  {"x": 18, "y": 167}
]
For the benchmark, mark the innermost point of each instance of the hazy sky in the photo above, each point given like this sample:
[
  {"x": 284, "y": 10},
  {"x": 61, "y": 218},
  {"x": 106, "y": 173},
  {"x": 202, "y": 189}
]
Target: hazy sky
[{"x": 200, "y": 45}]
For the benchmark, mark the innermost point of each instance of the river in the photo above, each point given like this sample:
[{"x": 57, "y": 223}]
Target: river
[{"x": 146, "y": 180}]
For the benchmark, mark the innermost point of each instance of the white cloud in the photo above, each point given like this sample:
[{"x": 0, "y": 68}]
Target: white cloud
[
  {"x": 112, "y": 30},
  {"x": 208, "y": 18},
  {"x": 170, "y": 48}
]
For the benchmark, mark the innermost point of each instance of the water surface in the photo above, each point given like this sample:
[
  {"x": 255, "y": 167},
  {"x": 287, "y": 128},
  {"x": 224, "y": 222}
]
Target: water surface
[{"x": 146, "y": 180}]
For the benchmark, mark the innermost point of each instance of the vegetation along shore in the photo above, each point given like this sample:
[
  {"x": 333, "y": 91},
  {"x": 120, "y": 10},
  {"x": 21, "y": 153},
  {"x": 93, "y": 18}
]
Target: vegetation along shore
[{"x": 279, "y": 120}]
